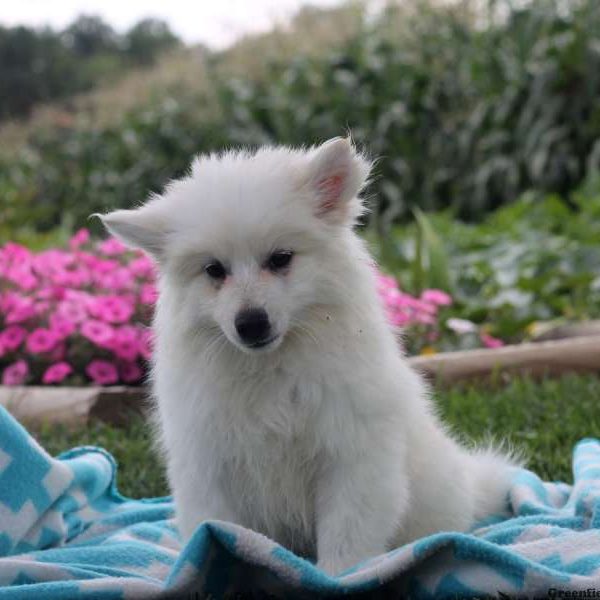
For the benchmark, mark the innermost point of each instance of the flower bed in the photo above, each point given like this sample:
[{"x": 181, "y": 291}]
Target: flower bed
[{"x": 81, "y": 315}]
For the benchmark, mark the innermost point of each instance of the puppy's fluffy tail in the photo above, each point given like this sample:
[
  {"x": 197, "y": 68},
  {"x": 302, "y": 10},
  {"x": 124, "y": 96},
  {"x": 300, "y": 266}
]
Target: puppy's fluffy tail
[{"x": 492, "y": 472}]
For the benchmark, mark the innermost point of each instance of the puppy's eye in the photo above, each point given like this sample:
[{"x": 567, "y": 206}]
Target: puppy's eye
[
  {"x": 215, "y": 270},
  {"x": 280, "y": 260}
]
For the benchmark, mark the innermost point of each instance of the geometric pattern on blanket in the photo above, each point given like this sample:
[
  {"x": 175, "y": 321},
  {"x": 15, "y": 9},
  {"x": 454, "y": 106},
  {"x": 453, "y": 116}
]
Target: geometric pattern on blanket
[{"x": 66, "y": 532}]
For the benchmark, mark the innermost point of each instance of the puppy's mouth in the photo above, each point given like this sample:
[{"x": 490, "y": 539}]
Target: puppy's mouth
[{"x": 262, "y": 343}]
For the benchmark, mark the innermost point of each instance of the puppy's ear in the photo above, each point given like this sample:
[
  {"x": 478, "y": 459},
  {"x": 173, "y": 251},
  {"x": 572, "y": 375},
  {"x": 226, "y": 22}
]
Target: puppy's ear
[
  {"x": 337, "y": 173},
  {"x": 145, "y": 227}
]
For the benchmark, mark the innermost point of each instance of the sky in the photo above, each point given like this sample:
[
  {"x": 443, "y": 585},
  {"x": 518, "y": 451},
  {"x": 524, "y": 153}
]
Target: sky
[{"x": 216, "y": 23}]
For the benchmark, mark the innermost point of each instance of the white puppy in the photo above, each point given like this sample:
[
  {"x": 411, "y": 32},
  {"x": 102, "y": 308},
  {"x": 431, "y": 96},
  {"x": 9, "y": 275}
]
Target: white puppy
[{"x": 284, "y": 402}]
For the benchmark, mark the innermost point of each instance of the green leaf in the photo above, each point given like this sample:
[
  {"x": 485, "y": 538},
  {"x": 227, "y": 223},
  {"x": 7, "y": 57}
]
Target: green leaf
[{"x": 435, "y": 272}]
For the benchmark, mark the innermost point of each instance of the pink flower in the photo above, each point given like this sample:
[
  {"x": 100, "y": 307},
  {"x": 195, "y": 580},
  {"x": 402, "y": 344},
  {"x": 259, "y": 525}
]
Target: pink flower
[
  {"x": 436, "y": 297},
  {"x": 142, "y": 267},
  {"x": 112, "y": 247},
  {"x": 113, "y": 309},
  {"x": 424, "y": 318},
  {"x": 385, "y": 282},
  {"x": 42, "y": 307},
  {"x": 57, "y": 372},
  {"x": 125, "y": 348},
  {"x": 489, "y": 341},
  {"x": 146, "y": 342},
  {"x": 98, "y": 332},
  {"x": 21, "y": 275},
  {"x": 79, "y": 239},
  {"x": 16, "y": 373},
  {"x": 148, "y": 293},
  {"x": 16, "y": 252},
  {"x": 23, "y": 309},
  {"x": 12, "y": 337},
  {"x": 102, "y": 372},
  {"x": 72, "y": 310},
  {"x": 130, "y": 372},
  {"x": 62, "y": 326},
  {"x": 117, "y": 280},
  {"x": 41, "y": 340}
]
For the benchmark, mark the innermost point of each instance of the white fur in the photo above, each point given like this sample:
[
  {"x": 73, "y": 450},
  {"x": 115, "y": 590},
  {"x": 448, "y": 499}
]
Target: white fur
[{"x": 325, "y": 441}]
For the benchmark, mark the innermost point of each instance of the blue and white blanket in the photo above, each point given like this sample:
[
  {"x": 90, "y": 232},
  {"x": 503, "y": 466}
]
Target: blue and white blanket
[{"x": 66, "y": 532}]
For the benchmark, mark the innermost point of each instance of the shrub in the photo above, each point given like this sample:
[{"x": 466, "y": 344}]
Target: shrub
[
  {"x": 462, "y": 109},
  {"x": 460, "y": 115},
  {"x": 75, "y": 315},
  {"x": 532, "y": 262}
]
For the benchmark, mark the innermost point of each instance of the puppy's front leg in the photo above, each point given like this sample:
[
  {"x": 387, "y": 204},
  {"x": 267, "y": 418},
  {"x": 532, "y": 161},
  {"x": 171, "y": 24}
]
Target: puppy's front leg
[{"x": 361, "y": 502}]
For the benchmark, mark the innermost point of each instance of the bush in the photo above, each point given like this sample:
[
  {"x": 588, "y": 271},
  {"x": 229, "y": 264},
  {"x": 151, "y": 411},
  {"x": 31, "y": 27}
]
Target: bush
[
  {"x": 530, "y": 263},
  {"x": 69, "y": 173},
  {"x": 460, "y": 115},
  {"x": 463, "y": 110}
]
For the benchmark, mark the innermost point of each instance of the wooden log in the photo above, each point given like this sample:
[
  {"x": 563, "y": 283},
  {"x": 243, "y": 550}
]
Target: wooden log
[
  {"x": 72, "y": 405},
  {"x": 553, "y": 357},
  {"x": 569, "y": 330}
]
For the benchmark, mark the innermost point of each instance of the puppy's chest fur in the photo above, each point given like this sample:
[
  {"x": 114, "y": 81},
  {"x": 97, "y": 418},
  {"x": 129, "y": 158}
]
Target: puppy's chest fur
[{"x": 269, "y": 453}]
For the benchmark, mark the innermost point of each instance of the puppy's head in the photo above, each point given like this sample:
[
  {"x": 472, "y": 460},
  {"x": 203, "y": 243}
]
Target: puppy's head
[{"x": 247, "y": 243}]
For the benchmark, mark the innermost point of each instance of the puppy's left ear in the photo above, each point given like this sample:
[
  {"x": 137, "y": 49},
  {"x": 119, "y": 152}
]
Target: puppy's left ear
[
  {"x": 337, "y": 173},
  {"x": 145, "y": 227}
]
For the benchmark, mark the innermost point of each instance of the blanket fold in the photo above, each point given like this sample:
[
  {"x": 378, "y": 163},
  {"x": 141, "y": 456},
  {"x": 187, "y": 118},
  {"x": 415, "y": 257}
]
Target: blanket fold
[{"x": 66, "y": 532}]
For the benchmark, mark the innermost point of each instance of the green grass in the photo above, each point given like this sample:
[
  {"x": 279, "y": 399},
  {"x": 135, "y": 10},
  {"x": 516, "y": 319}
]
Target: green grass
[
  {"x": 543, "y": 419},
  {"x": 140, "y": 473}
]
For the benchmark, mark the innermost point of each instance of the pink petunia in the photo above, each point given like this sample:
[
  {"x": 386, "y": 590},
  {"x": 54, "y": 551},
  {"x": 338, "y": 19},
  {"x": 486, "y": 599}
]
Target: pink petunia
[
  {"x": 72, "y": 310},
  {"x": 113, "y": 309},
  {"x": 62, "y": 326},
  {"x": 436, "y": 297},
  {"x": 21, "y": 275},
  {"x": 16, "y": 373},
  {"x": 143, "y": 267},
  {"x": 490, "y": 342},
  {"x": 125, "y": 349},
  {"x": 102, "y": 372},
  {"x": 41, "y": 340},
  {"x": 112, "y": 247},
  {"x": 146, "y": 343},
  {"x": 79, "y": 239},
  {"x": 41, "y": 307},
  {"x": 148, "y": 294},
  {"x": 12, "y": 337},
  {"x": 57, "y": 372},
  {"x": 118, "y": 280},
  {"x": 131, "y": 372},
  {"x": 98, "y": 332},
  {"x": 23, "y": 310}
]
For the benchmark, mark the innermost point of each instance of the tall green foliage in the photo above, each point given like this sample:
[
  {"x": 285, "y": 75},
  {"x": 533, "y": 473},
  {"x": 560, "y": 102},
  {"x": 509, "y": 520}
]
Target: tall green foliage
[
  {"x": 462, "y": 110},
  {"x": 460, "y": 114}
]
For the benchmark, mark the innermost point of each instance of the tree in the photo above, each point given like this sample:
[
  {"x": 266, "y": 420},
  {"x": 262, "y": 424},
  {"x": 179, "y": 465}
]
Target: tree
[{"x": 148, "y": 38}]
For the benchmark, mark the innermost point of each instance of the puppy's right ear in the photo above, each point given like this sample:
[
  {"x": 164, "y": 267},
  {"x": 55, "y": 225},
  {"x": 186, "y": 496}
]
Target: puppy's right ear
[{"x": 145, "y": 227}]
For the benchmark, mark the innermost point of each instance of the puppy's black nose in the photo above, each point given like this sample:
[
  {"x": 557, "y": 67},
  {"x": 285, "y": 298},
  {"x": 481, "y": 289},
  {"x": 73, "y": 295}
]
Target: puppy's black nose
[{"x": 253, "y": 326}]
